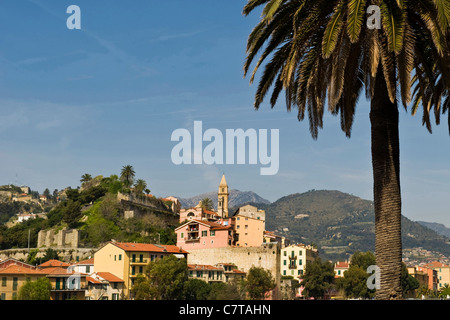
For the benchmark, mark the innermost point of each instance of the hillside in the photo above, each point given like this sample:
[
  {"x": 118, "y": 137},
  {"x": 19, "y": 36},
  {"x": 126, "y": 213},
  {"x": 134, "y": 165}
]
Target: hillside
[
  {"x": 340, "y": 224},
  {"x": 438, "y": 227},
  {"x": 236, "y": 198}
]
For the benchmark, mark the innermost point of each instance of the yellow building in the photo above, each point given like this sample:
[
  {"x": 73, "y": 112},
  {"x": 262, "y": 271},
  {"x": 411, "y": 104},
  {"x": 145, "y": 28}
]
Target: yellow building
[
  {"x": 13, "y": 276},
  {"x": 65, "y": 285},
  {"x": 443, "y": 273},
  {"x": 294, "y": 259},
  {"x": 249, "y": 225},
  {"x": 127, "y": 260}
]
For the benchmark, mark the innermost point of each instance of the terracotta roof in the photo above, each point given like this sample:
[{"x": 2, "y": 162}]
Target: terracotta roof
[
  {"x": 92, "y": 280},
  {"x": 238, "y": 271},
  {"x": 437, "y": 264},
  {"x": 16, "y": 269},
  {"x": 87, "y": 261},
  {"x": 148, "y": 247},
  {"x": 54, "y": 263},
  {"x": 109, "y": 277},
  {"x": 202, "y": 267},
  {"x": 342, "y": 265}
]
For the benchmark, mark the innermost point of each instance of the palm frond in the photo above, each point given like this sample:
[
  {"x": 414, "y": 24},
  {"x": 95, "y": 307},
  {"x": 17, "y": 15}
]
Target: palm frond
[
  {"x": 356, "y": 13},
  {"x": 331, "y": 34}
]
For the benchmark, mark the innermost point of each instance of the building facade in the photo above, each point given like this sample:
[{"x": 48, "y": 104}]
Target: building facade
[
  {"x": 294, "y": 259},
  {"x": 127, "y": 260}
]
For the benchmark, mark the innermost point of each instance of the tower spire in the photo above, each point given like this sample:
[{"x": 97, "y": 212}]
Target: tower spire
[{"x": 222, "y": 206}]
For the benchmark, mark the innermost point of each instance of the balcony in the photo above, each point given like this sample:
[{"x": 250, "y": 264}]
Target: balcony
[
  {"x": 139, "y": 261},
  {"x": 193, "y": 239}
]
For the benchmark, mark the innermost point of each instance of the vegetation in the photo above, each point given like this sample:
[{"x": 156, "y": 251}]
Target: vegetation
[
  {"x": 35, "y": 290},
  {"x": 354, "y": 282},
  {"x": 340, "y": 224},
  {"x": 321, "y": 51},
  {"x": 96, "y": 212},
  {"x": 167, "y": 279},
  {"x": 318, "y": 278},
  {"x": 259, "y": 282}
]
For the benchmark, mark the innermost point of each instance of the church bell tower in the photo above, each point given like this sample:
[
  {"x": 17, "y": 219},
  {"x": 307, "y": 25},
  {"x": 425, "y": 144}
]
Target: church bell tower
[{"x": 222, "y": 207}]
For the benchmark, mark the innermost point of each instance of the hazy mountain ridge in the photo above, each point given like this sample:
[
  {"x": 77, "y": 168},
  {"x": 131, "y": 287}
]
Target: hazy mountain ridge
[
  {"x": 438, "y": 227},
  {"x": 236, "y": 198}
]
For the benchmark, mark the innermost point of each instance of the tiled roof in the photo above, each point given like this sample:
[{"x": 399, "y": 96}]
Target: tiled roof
[
  {"x": 54, "y": 263},
  {"x": 342, "y": 265},
  {"x": 202, "y": 267},
  {"x": 437, "y": 264},
  {"x": 92, "y": 280},
  {"x": 109, "y": 277},
  {"x": 16, "y": 269},
  {"x": 87, "y": 261},
  {"x": 148, "y": 247}
]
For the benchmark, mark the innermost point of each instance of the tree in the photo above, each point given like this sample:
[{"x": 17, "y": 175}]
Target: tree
[
  {"x": 127, "y": 175},
  {"x": 35, "y": 290},
  {"x": 321, "y": 50},
  {"x": 85, "y": 178},
  {"x": 196, "y": 289},
  {"x": 354, "y": 282},
  {"x": 140, "y": 186},
  {"x": 258, "y": 283},
  {"x": 409, "y": 283},
  {"x": 207, "y": 204},
  {"x": 72, "y": 213},
  {"x": 141, "y": 288},
  {"x": 167, "y": 277},
  {"x": 318, "y": 278}
]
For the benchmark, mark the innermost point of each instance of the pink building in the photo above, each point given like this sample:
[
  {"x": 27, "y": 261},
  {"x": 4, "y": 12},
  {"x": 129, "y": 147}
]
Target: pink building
[
  {"x": 198, "y": 213},
  {"x": 198, "y": 234}
]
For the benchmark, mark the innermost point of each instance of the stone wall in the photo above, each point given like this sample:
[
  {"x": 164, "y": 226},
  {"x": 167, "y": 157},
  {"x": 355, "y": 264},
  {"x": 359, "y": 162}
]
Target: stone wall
[
  {"x": 64, "y": 253},
  {"x": 266, "y": 256},
  {"x": 65, "y": 238}
]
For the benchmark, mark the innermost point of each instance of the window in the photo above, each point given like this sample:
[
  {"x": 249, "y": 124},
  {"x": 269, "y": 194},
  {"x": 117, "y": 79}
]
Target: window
[
  {"x": 15, "y": 283},
  {"x": 120, "y": 257},
  {"x": 284, "y": 262},
  {"x": 133, "y": 258},
  {"x": 3, "y": 281},
  {"x": 88, "y": 269},
  {"x": 212, "y": 233},
  {"x": 182, "y": 235},
  {"x": 300, "y": 262},
  {"x": 285, "y": 253},
  {"x": 3, "y": 297},
  {"x": 133, "y": 271},
  {"x": 204, "y": 233},
  {"x": 141, "y": 270},
  {"x": 141, "y": 258},
  {"x": 115, "y": 296}
]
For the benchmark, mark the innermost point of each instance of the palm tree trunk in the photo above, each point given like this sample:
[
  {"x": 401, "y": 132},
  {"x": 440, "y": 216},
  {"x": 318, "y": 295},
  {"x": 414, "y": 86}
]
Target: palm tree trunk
[{"x": 387, "y": 198}]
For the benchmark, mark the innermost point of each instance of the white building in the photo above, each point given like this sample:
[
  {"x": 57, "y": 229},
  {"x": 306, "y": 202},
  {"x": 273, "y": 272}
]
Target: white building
[{"x": 294, "y": 259}]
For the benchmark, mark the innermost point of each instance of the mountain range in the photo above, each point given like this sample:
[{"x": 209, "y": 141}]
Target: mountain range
[
  {"x": 338, "y": 223},
  {"x": 236, "y": 198}
]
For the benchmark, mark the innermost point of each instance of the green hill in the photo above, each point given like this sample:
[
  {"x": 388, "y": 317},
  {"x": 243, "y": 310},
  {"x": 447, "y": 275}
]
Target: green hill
[{"x": 340, "y": 224}]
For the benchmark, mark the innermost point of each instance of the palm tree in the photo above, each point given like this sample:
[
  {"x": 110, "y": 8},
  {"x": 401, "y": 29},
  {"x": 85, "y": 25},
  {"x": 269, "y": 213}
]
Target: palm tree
[
  {"x": 85, "y": 178},
  {"x": 127, "y": 175},
  {"x": 322, "y": 52},
  {"x": 140, "y": 186},
  {"x": 207, "y": 204}
]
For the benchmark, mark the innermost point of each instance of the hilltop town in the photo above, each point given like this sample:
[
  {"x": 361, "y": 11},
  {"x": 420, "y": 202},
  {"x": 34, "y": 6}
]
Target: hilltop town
[{"x": 220, "y": 247}]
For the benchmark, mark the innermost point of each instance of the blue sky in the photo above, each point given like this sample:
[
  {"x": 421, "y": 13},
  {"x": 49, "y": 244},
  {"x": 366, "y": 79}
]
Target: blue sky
[{"x": 112, "y": 93}]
